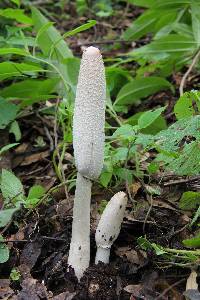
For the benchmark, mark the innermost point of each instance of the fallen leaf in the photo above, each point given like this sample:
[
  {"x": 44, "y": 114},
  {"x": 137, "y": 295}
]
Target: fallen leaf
[
  {"x": 134, "y": 289},
  {"x": 5, "y": 291},
  {"x": 191, "y": 283}
]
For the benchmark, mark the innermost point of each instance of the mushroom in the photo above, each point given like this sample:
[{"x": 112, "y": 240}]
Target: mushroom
[
  {"x": 88, "y": 143},
  {"x": 109, "y": 226}
]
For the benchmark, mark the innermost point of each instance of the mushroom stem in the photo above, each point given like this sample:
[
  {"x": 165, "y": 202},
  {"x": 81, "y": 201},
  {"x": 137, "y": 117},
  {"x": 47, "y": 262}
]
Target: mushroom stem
[
  {"x": 103, "y": 254},
  {"x": 79, "y": 254}
]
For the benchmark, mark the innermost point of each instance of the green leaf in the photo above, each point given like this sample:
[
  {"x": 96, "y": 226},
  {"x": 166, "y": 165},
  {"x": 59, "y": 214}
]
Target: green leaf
[
  {"x": 11, "y": 187},
  {"x": 195, "y": 14},
  {"x": 17, "y": 2},
  {"x": 16, "y": 14},
  {"x": 141, "y": 26},
  {"x": 15, "y": 129},
  {"x": 105, "y": 178},
  {"x": 149, "y": 117},
  {"x": 189, "y": 200},
  {"x": 60, "y": 52},
  {"x": 6, "y": 216},
  {"x": 35, "y": 194},
  {"x": 120, "y": 154},
  {"x": 184, "y": 107},
  {"x": 17, "y": 51},
  {"x": 4, "y": 251},
  {"x": 188, "y": 162},
  {"x": 172, "y": 44},
  {"x": 8, "y": 112},
  {"x": 7, "y": 147},
  {"x": 124, "y": 132},
  {"x": 156, "y": 126},
  {"x": 141, "y": 88},
  {"x": 158, "y": 249},
  {"x": 143, "y": 3},
  {"x": 36, "y": 191},
  {"x": 30, "y": 89},
  {"x": 193, "y": 242},
  {"x": 47, "y": 38},
  {"x": 10, "y": 69},
  {"x": 89, "y": 24}
]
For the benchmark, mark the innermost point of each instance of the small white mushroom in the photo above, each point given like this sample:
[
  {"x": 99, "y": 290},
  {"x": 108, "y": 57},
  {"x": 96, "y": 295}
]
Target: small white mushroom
[
  {"x": 109, "y": 226},
  {"x": 88, "y": 143}
]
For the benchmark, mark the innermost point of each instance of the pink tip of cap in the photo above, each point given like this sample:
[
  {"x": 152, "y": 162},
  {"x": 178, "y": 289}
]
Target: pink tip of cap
[{"x": 93, "y": 51}]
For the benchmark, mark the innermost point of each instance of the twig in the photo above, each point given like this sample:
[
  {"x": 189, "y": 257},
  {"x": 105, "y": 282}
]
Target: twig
[
  {"x": 169, "y": 288},
  {"x": 183, "y": 80},
  {"x": 49, "y": 137},
  {"x": 58, "y": 153},
  {"x": 126, "y": 183},
  {"x": 148, "y": 212},
  {"x": 179, "y": 181}
]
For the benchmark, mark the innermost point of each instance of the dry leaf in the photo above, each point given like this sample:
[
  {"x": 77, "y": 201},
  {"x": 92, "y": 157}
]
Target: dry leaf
[{"x": 192, "y": 282}]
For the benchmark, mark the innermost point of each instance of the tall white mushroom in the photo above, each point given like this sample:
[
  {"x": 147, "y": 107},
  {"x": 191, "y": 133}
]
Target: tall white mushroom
[
  {"x": 88, "y": 143},
  {"x": 109, "y": 226}
]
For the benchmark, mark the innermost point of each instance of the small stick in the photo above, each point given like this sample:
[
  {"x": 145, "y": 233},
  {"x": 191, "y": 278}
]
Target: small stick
[{"x": 183, "y": 80}]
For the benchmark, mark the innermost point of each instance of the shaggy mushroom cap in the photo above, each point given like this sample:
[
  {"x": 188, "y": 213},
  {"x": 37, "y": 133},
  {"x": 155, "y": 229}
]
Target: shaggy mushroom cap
[
  {"x": 89, "y": 115},
  {"x": 110, "y": 223}
]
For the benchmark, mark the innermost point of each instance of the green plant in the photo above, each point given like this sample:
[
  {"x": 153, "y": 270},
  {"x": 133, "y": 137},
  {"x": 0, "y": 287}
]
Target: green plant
[{"x": 175, "y": 35}]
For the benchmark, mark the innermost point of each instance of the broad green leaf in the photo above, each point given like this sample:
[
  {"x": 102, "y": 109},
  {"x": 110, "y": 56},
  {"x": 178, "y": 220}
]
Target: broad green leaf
[
  {"x": 188, "y": 163},
  {"x": 16, "y": 14},
  {"x": 160, "y": 4},
  {"x": 36, "y": 191},
  {"x": 195, "y": 14},
  {"x": 184, "y": 107},
  {"x": 143, "y": 3},
  {"x": 189, "y": 200},
  {"x": 15, "y": 129},
  {"x": 11, "y": 69},
  {"x": 7, "y": 147},
  {"x": 11, "y": 187},
  {"x": 141, "y": 88},
  {"x": 61, "y": 50},
  {"x": 6, "y": 216},
  {"x": 124, "y": 132},
  {"x": 17, "y": 2},
  {"x": 4, "y": 251},
  {"x": 105, "y": 178},
  {"x": 17, "y": 51},
  {"x": 49, "y": 37},
  {"x": 120, "y": 154},
  {"x": 149, "y": 117},
  {"x": 169, "y": 140},
  {"x": 172, "y": 44},
  {"x": 193, "y": 242},
  {"x": 30, "y": 89},
  {"x": 8, "y": 112},
  {"x": 156, "y": 126},
  {"x": 141, "y": 26},
  {"x": 34, "y": 196}
]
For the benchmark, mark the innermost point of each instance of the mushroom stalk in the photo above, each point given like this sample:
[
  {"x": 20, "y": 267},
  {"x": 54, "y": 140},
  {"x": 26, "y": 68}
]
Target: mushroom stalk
[
  {"x": 109, "y": 226},
  {"x": 88, "y": 143},
  {"x": 79, "y": 255}
]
